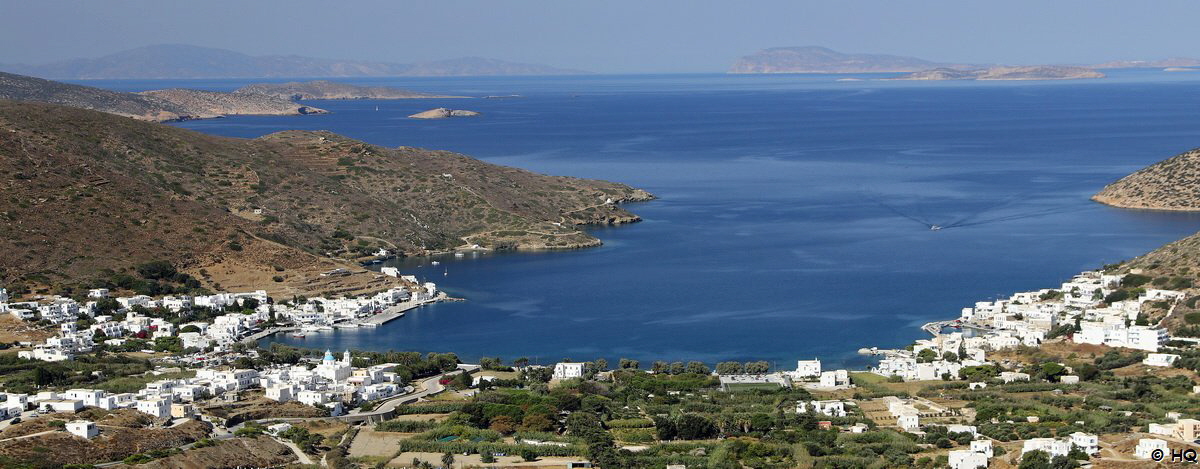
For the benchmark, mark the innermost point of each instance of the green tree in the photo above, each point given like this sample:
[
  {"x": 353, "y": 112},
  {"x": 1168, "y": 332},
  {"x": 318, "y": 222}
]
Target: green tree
[
  {"x": 926, "y": 356},
  {"x": 729, "y": 368},
  {"x": 1035, "y": 460},
  {"x": 697, "y": 368},
  {"x": 448, "y": 460}
]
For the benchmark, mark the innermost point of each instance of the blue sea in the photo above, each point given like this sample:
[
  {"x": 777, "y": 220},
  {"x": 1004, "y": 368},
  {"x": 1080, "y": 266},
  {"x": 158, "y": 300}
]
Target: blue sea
[{"x": 794, "y": 211}]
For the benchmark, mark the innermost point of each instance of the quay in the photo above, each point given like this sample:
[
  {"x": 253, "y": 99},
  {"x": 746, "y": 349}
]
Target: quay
[
  {"x": 255, "y": 337},
  {"x": 935, "y": 328},
  {"x": 398, "y": 310}
]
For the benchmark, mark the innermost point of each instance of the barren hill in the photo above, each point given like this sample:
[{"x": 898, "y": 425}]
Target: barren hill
[
  {"x": 87, "y": 191},
  {"x": 323, "y": 89},
  {"x": 1172, "y": 184},
  {"x": 159, "y": 106}
]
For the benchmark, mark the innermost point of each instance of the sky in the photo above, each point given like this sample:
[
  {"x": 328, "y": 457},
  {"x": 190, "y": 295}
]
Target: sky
[{"x": 611, "y": 36}]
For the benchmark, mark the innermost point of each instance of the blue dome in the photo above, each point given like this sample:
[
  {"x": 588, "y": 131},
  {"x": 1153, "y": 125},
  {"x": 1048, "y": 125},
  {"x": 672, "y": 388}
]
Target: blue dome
[{"x": 329, "y": 356}]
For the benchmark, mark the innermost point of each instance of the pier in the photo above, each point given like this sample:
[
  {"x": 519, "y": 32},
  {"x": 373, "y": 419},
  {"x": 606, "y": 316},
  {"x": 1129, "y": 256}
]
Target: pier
[
  {"x": 255, "y": 337},
  {"x": 935, "y": 328},
  {"x": 398, "y": 310}
]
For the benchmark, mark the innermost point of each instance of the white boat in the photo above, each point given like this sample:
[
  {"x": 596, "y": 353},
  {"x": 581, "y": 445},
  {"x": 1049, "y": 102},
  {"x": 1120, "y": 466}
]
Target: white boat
[
  {"x": 459, "y": 254},
  {"x": 435, "y": 263},
  {"x": 934, "y": 227}
]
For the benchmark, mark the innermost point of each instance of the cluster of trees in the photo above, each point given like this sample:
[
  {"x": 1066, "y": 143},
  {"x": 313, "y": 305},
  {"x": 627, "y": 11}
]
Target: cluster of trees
[
  {"x": 1041, "y": 460},
  {"x": 152, "y": 278},
  {"x": 678, "y": 368},
  {"x": 308, "y": 442},
  {"x": 737, "y": 368},
  {"x": 684, "y": 427}
]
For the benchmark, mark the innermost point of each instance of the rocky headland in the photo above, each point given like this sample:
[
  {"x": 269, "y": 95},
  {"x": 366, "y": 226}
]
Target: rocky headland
[
  {"x": 1171, "y": 184},
  {"x": 324, "y": 89},
  {"x": 157, "y": 106}
]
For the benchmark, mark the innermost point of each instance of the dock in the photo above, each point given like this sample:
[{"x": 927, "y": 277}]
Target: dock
[
  {"x": 935, "y": 328},
  {"x": 254, "y": 338},
  {"x": 398, "y": 310}
]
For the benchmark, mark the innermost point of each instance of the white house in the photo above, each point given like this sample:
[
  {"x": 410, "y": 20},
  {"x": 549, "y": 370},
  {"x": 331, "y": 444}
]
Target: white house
[
  {"x": 965, "y": 459},
  {"x": 830, "y": 408},
  {"x": 1087, "y": 442},
  {"x": 908, "y": 422},
  {"x": 1160, "y": 359},
  {"x": 156, "y": 407},
  {"x": 568, "y": 370},
  {"x": 83, "y": 428},
  {"x": 281, "y": 392},
  {"x": 1010, "y": 376},
  {"x": 807, "y": 368},
  {"x": 1146, "y": 446},
  {"x": 963, "y": 429},
  {"x": 60, "y": 405},
  {"x": 1051, "y": 446},
  {"x": 982, "y": 446}
]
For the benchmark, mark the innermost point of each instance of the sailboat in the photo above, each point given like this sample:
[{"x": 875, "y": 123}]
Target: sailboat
[{"x": 376, "y": 108}]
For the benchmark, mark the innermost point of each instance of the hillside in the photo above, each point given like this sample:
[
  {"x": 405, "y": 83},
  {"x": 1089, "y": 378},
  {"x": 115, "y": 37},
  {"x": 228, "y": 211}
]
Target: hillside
[
  {"x": 23, "y": 88},
  {"x": 205, "y": 104},
  {"x": 87, "y": 191},
  {"x": 1032, "y": 72},
  {"x": 1172, "y": 184},
  {"x": 158, "y": 106},
  {"x": 186, "y": 61},
  {"x": 323, "y": 89},
  {"x": 813, "y": 59}
]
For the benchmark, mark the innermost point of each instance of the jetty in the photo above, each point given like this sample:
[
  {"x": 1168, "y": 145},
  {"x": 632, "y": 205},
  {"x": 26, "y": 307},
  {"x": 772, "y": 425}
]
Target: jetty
[
  {"x": 398, "y": 310},
  {"x": 255, "y": 337},
  {"x": 935, "y": 327}
]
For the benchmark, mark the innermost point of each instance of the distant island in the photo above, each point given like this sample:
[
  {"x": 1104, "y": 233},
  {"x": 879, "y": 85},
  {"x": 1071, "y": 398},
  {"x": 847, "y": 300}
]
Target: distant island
[
  {"x": 186, "y": 61},
  {"x": 324, "y": 89},
  {"x": 159, "y": 105},
  {"x": 1173, "y": 62},
  {"x": 1034, "y": 72},
  {"x": 815, "y": 59},
  {"x": 442, "y": 113}
]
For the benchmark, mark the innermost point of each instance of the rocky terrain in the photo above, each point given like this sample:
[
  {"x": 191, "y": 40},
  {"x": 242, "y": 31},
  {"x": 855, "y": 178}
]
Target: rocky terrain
[
  {"x": 23, "y": 88},
  {"x": 1172, "y": 184},
  {"x": 158, "y": 106},
  {"x": 258, "y": 451},
  {"x": 1032, "y": 72},
  {"x": 88, "y": 192},
  {"x": 442, "y": 113},
  {"x": 813, "y": 59},
  {"x": 122, "y": 433},
  {"x": 324, "y": 89},
  {"x": 185, "y": 61},
  {"x": 207, "y": 104}
]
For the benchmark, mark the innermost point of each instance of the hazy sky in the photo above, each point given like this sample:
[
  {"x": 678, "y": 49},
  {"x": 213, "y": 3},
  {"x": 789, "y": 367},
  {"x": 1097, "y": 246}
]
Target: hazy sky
[{"x": 613, "y": 36}]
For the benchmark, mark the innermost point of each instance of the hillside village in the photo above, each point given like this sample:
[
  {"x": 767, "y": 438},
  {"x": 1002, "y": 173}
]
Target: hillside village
[{"x": 203, "y": 363}]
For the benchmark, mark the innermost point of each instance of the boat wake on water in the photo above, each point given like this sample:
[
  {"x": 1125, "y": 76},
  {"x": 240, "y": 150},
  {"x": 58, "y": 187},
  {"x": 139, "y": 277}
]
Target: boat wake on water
[{"x": 976, "y": 217}]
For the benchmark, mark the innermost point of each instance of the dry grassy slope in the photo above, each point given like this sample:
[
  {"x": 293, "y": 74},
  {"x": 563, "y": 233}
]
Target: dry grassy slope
[
  {"x": 85, "y": 191},
  {"x": 1172, "y": 184}
]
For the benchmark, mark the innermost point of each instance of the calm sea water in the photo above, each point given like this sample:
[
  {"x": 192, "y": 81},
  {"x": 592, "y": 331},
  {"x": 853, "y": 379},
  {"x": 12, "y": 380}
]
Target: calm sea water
[{"x": 794, "y": 210}]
